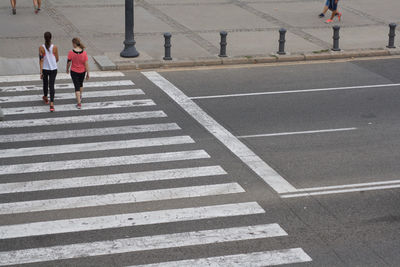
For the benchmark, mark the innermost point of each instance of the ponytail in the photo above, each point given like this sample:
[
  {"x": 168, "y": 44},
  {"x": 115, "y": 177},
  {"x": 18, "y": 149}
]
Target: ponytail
[
  {"x": 78, "y": 42},
  {"x": 47, "y": 39}
]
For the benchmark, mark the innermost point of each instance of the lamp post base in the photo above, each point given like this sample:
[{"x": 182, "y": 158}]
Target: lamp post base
[{"x": 129, "y": 51}]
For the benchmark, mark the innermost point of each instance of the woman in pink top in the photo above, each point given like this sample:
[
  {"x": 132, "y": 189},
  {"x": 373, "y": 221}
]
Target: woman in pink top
[{"x": 78, "y": 62}]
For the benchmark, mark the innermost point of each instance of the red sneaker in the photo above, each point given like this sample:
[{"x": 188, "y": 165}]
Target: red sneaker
[
  {"x": 78, "y": 106},
  {"x": 45, "y": 100},
  {"x": 51, "y": 108},
  {"x": 329, "y": 21}
]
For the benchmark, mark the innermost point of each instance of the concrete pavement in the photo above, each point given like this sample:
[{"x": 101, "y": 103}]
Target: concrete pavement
[{"x": 252, "y": 27}]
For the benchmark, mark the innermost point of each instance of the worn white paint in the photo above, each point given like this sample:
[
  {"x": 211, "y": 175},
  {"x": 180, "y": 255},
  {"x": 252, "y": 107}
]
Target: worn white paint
[
  {"x": 103, "y": 162},
  {"x": 298, "y": 91},
  {"x": 126, "y": 220},
  {"x": 135, "y": 244},
  {"x": 254, "y": 162},
  {"x": 322, "y": 188},
  {"x": 119, "y": 198},
  {"x": 71, "y": 95},
  {"x": 60, "y": 76},
  {"x": 341, "y": 191},
  {"x": 95, "y": 146},
  {"x": 256, "y": 259},
  {"x": 300, "y": 132},
  {"x": 82, "y": 119},
  {"x": 121, "y": 130},
  {"x": 86, "y": 106},
  {"x": 58, "y": 86},
  {"x": 101, "y": 180}
]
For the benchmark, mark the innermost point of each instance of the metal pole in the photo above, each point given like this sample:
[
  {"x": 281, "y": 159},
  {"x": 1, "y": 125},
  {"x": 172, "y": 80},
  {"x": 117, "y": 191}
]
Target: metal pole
[
  {"x": 392, "y": 34},
  {"x": 282, "y": 40},
  {"x": 336, "y": 38},
  {"x": 223, "y": 43},
  {"x": 130, "y": 49},
  {"x": 167, "y": 46}
]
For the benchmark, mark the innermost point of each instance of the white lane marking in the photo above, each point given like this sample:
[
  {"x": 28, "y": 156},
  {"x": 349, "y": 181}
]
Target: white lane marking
[
  {"x": 22, "y": 88},
  {"x": 96, "y": 146},
  {"x": 119, "y": 198},
  {"x": 88, "y": 106},
  {"x": 256, "y": 259},
  {"x": 83, "y": 119},
  {"x": 301, "y": 132},
  {"x": 144, "y": 128},
  {"x": 341, "y": 191},
  {"x": 298, "y": 91},
  {"x": 144, "y": 243},
  {"x": 103, "y": 162},
  {"x": 60, "y": 76},
  {"x": 254, "y": 162},
  {"x": 347, "y": 186},
  {"x": 123, "y": 178},
  {"x": 87, "y": 94},
  {"x": 126, "y": 220}
]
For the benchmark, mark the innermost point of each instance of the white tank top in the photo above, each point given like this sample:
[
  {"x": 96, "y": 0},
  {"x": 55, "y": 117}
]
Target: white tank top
[{"x": 49, "y": 60}]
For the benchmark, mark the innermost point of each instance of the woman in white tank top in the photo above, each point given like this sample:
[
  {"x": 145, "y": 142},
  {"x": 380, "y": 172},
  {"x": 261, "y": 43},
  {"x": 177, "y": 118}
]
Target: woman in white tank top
[{"x": 48, "y": 56}]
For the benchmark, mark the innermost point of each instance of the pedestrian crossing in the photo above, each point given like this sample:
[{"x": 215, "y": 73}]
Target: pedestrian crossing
[
  {"x": 69, "y": 96},
  {"x": 97, "y": 105},
  {"x": 112, "y": 173}
]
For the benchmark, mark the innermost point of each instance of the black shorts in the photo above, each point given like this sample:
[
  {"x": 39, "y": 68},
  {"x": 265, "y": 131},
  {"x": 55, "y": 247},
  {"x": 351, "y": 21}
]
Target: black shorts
[
  {"x": 77, "y": 79},
  {"x": 333, "y": 5}
]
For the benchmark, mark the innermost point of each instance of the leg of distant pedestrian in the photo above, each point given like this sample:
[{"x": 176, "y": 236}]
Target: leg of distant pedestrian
[
  {"x": 326, "y": 7},
  {"x": 13, "y": 6},
  {"x": 37, "y": 4},
  {"x": 333, "y": 6}
]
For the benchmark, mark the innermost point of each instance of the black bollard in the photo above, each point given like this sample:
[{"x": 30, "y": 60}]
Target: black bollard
[
  {"x": 223, "y": 43},
  {"x": 167, "y": 45},
  {"x": 282, "y": 40},
  {"x": 336, "y": 38},
  {"x": 130, "y": 49},
  {"x": 392, "y": 34}
]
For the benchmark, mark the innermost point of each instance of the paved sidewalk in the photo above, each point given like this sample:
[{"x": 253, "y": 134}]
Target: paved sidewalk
[{"x": 252, "y": 27}]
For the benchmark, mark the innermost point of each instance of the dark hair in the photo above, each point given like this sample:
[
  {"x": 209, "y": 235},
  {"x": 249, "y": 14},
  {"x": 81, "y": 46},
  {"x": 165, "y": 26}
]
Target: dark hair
[
  {"x": 47, "y": 38},
  {"x": 78, "y": 42}
]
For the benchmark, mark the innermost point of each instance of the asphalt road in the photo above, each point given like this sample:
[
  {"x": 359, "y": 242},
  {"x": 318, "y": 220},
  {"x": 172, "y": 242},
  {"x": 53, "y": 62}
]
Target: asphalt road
[{"x": 69, "y": 204}]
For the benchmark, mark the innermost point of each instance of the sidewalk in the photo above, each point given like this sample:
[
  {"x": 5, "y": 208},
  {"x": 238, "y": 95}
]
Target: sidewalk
[{"x": 252, "y": 27}]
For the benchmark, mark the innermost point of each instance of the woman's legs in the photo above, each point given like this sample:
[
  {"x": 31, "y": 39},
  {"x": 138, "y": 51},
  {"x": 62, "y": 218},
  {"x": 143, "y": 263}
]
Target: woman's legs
[
  {"x": 46, "y": 74},
  {"x": 53, "y": 75},
  {"x": 78, "y": 86}
]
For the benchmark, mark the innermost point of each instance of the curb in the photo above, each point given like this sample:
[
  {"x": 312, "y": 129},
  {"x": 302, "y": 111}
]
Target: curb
[{"x": 274, "y": 58}]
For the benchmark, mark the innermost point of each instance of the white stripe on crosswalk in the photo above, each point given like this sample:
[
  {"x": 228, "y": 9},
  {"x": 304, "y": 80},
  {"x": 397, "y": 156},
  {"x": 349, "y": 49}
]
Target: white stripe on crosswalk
[
  {"x": 119, "y": 198},
  {"x": 145, "y": 128},
  {"x": 103, "y": 162},
  {"x": 87, "y": 94},
  {"x": 256, "y": 259},
  {"x": 35, "y": 255},
  {"x": 22, "y": 88},
  {"x": 69, "y": 107},
  {"x": 95, "y": 146},
  {"x": 122, "y": 178},
  {"x": 83, "y": 119},
  {"x": 126, "y": 220},
  {"x": 60, "y": 76}
]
